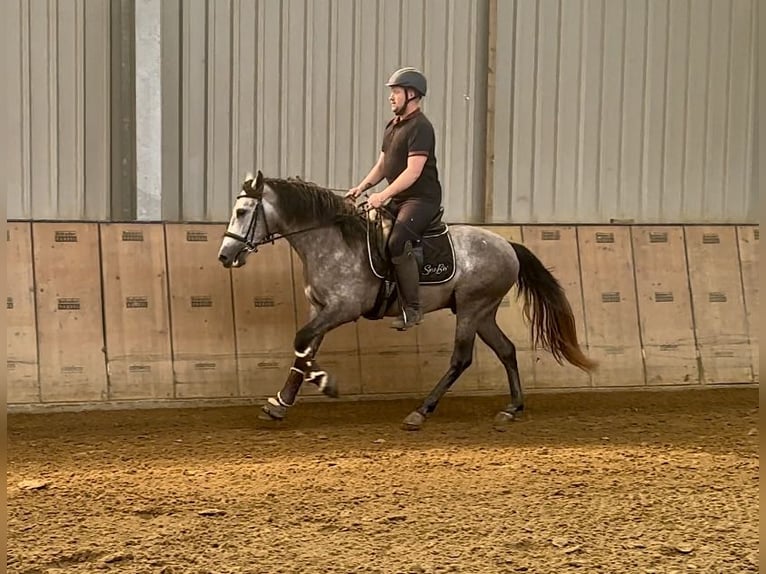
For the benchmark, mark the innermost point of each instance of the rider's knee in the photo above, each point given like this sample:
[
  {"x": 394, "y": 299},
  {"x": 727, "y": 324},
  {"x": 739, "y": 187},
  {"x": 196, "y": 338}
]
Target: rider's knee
[{"x": 401, "y": 250}]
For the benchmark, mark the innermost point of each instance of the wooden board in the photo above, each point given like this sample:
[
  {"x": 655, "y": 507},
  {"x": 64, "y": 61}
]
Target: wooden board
[
  {"x": 491, "y": 372},
  {"x": 664, "y": 304},
  {"x": 749, "y": 239},
  {"x": 339, "y": 353},
  {"x": 264, "y": 317},
  {"x": 389, "y": 359},
  {"x": 202, "y": 319},
  {"x": 718, "y": 304},
  {"x": 611, "y": 315},
  {"x": 21, "y": 322},
  {"x": 69, "y": 312},
  {"x": 557, "y": 248},
  {"x": 139, "y": 356}
]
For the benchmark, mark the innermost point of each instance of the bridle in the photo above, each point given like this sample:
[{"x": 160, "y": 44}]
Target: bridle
[{"x": 248, "y": 239}]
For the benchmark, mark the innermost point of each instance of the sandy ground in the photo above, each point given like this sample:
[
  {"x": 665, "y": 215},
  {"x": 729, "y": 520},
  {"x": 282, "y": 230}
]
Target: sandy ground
[{"x": 620, "y": 482}]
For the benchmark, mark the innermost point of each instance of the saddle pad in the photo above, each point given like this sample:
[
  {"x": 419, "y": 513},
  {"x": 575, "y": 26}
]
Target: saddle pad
[
  {"x": 436, "y": 253},
  {"x": 438, "y": 258}
]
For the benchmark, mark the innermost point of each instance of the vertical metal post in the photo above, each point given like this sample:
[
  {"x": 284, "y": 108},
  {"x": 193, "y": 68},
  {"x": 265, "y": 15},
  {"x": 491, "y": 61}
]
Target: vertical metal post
[
  {"x": 171, "y": 70},
  {"x": 123, "y": 111},
  {"x": 489, "y": 153}
]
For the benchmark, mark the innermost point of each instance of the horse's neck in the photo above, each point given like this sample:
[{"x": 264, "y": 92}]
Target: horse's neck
[
  {"x": 321, "y": 247},
  {"x": 310, "y": 244}
]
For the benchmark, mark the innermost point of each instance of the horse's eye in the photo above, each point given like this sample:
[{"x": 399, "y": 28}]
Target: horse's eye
[{"x": 241, "y": 212}]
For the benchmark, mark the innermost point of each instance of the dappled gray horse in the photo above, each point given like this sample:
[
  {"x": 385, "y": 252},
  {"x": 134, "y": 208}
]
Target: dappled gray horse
[{"x": 329, "y": 235}]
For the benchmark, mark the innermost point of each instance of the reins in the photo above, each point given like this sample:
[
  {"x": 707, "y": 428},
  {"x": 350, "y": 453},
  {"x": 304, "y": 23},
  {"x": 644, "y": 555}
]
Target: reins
[{"x": 269, "y": 237}]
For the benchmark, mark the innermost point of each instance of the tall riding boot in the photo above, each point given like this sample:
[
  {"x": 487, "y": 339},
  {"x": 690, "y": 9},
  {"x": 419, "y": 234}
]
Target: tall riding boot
[{"x": 407, "y": 280}]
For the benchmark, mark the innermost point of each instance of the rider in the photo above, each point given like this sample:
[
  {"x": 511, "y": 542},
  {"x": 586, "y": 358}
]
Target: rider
[{"x": 408, "y": 163}]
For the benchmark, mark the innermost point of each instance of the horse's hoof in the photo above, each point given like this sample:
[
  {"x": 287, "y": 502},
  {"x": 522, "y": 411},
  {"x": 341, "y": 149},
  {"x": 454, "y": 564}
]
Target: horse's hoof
[
  {"x": 413, "y": 421},
  {"x": 502, "y": 420},
  {"x": 271, "y": 412},
  {"x": 330, "y": 387}
]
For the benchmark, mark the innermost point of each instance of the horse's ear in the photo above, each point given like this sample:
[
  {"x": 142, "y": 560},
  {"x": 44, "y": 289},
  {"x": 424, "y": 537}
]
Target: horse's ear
[
  {"x": 258, "y": 183},
  {"x": 247, "y": 184},
  {"x": 253, "y": 187}
]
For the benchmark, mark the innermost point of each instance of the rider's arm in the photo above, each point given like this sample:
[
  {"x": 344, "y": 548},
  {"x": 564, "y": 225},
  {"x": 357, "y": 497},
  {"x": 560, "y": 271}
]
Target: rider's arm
[
  {"x": 410, "y": 175},
  {"x": 373, "y": 178}
]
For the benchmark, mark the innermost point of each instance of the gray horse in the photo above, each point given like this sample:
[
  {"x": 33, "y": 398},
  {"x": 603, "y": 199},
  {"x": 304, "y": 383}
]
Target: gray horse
[{"x": 329, "y": 235}]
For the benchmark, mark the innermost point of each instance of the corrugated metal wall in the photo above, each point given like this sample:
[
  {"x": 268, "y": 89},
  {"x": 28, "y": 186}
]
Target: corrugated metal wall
[
  {"x": 56, "y": 145},
  {"x": 624, "y": 109},
  {"x": 601, "y": 109},
  {"x": 296, "y": 87}
]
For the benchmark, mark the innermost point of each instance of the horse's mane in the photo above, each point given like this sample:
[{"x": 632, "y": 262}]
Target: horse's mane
[{"x": 306, "y": 204}]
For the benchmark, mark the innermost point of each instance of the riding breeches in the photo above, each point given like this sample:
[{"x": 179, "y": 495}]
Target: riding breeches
[{"x": 412, "y": 219}]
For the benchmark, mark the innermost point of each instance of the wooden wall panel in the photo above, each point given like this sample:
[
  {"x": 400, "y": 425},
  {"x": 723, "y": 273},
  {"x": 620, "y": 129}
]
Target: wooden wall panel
[
  {"x": 139, "y": 356},
  {"x": 492, "y": 375},
  {"x": 611, "y": 315},
  {"x": 69, "y": 312},
  {"x": 264, "y": 316},
  {"x": 664, "y": 303},
  {"x": 389, "y": 359},
  {"x": 21, "y": 322},
  {"x": 749, "y": 238},
  {"x": 202, "y": 321},
  {"x": 173, "y": 330},
  {"x": 557, "y": 248},
  {"x": 718, "y": 304}
]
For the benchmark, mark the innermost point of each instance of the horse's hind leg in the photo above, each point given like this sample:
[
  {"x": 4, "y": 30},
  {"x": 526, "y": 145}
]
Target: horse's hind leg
[
  {"x": 505, "y": 350},
  {"x": 462, "y": 355}
]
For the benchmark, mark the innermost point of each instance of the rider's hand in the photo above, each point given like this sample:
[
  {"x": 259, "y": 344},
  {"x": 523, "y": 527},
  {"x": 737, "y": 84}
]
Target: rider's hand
[
  {"x": 353, "y": 193},
  {"x": 377, "y": 200}
]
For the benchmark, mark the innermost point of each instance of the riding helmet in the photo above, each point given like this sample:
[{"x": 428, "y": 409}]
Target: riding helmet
[{"x": 408, "y": 78}]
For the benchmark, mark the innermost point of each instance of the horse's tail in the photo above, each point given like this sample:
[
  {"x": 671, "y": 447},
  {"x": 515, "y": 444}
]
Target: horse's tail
[{"x": 548, "y": 311}]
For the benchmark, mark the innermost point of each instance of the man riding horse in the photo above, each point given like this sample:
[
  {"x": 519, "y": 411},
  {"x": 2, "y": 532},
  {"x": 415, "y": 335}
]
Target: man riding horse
[
  {"x": 408, "y": 163},
  {"x": 331, "y": 241}
]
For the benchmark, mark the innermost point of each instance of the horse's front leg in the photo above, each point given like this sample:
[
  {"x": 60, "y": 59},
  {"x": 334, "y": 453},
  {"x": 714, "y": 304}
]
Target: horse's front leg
[
  {"x": 316, "y": 375},
  {"x": 305, "y": 368}
]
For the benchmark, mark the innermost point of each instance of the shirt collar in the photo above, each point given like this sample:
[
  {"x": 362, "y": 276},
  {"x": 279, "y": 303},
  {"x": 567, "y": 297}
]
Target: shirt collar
[{"x": 412, "y": 114}]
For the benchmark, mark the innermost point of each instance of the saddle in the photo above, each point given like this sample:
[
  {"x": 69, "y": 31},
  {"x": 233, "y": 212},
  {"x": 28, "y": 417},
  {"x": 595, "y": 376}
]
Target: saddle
[{"x": 434, "y": 253}]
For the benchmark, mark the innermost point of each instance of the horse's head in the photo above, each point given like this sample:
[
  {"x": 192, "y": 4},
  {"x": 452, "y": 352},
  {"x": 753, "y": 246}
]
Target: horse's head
[{"x": 248, "y": 227}]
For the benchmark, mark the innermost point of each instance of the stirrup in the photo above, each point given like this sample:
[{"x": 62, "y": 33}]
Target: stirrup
[{"x": 407, "y": 320}]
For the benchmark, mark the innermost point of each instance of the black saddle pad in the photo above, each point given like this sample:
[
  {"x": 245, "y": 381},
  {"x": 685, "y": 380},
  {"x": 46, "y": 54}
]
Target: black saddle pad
[{"x": 435, "y": 253}]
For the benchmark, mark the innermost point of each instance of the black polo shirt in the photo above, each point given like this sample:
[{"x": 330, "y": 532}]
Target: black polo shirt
[{"x": 403, "y": 137}]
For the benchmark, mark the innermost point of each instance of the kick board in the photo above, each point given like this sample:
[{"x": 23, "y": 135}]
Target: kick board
[
  {"x": 69, "y": 312},
  {"x": 718, "y": 304},
  {"x": 21, "y": 321},
  {"x": 664, "y": 305},
  {"x": 611, "y": 316},
  {"x": 139, "y": 357},
  {"x": 556, "y": 247},
  {"x": 749, "y": 238},
  {"x": 202, "y": 321}
]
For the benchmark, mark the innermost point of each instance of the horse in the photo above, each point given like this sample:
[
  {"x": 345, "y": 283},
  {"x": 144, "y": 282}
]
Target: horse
[{"x": 329, "y": 235}]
